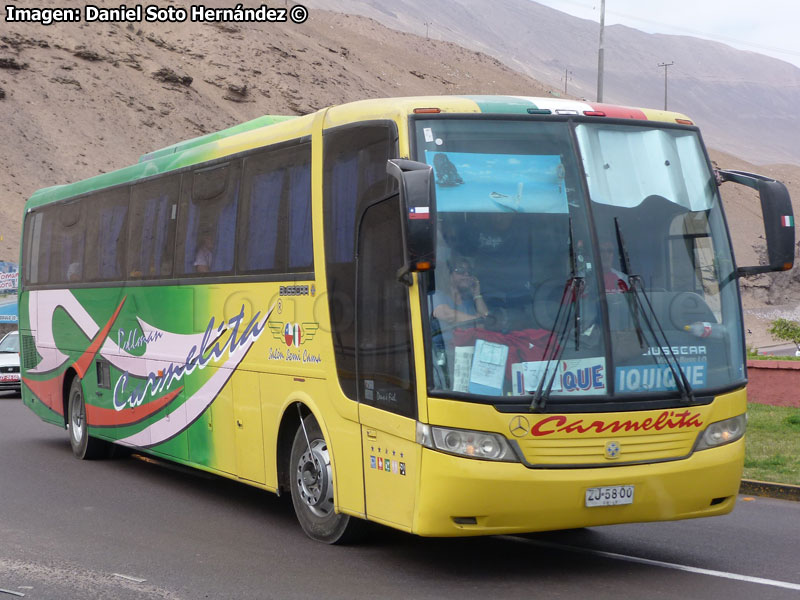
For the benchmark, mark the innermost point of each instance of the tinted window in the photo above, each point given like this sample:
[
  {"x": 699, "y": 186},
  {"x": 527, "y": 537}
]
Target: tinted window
[
  {"x": 354, "y": 176},
  {"x": 276, "y": 214},
  {"x": 154, "y": 208},
  {"x": 300, "y": 240},
  {"x": 57, "y": 243},
  {"x": 30, "y": 260},
  {"x": 384, "y": 326},
  {"x": 209, "y": 201},
  {"x": 107, "y": 224}
]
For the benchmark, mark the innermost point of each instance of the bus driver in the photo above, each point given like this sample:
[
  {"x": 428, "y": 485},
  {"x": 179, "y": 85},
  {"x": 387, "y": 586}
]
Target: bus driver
[{"x": 464, "y": 302}]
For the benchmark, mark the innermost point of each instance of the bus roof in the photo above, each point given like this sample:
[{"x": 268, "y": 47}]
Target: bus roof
[
  {"x": 251, "y": 133},
  {"x": 256, "y": 123}
]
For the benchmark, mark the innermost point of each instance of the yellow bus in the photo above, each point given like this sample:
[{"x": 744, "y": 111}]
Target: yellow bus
[{"x": 454, "y": 316}]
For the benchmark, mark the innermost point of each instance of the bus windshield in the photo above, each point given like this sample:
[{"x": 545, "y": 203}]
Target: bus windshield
[{"x": 578, "y": 261}]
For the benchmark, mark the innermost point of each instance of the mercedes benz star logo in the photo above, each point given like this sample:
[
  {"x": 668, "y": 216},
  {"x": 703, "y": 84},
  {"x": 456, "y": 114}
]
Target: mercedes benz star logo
[
  {"x": 519, "y": 426},
  {"x": 612, "y": 449}
]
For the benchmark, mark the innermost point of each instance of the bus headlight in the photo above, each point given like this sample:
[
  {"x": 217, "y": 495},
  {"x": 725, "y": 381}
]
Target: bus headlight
[
  {"x": 462, "y": 442},
  {"x": 722, "y": 432}
]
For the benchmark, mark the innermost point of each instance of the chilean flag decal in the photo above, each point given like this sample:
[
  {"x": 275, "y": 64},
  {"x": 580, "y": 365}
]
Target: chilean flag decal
[
  {"x": 292, "y": 334},
  {"x": 419, "y": 212}
]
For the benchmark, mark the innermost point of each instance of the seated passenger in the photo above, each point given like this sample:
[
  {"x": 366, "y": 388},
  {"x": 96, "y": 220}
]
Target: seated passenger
[
  {"x": 203, "y": 257},
  {"x": 463, "y": 300},
  {"x": 74, "y": 271}
]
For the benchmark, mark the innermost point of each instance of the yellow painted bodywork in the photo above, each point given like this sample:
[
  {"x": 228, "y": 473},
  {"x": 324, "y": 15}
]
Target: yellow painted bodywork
[
  {"x": 510, "y": 498},
  {"x": 513, "y": 497},
  {"x": 422, "y": 490}
]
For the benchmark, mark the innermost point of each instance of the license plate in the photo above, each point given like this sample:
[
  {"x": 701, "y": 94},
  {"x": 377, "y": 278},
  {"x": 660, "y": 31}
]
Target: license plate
[
  {"x": 9, "y": 377},
  {"x": 612, "y": 495}
]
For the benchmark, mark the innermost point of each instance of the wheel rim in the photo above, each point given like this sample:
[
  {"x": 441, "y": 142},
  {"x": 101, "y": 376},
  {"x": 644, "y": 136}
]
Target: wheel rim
[
  {"x": 77, "y": 417},
  {"x": 313, "y": 479}
]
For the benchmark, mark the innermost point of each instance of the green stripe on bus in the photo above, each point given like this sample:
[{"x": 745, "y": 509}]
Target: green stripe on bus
[
  {"x": 182, "y": 154},
  {"x": 503, "y": 104}
]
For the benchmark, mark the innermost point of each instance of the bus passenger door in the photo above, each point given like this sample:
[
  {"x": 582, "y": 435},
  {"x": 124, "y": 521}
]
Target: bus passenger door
[{"x": 386, "y": 387}]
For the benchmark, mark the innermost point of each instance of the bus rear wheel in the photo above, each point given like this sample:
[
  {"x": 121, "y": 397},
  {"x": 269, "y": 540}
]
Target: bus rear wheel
[
  {"x": 312, "y": 488},
  {"x": 83, "y": 446}
]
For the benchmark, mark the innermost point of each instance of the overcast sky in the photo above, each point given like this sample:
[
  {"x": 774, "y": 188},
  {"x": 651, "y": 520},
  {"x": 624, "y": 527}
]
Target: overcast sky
[{"x": 769, "y": 27}]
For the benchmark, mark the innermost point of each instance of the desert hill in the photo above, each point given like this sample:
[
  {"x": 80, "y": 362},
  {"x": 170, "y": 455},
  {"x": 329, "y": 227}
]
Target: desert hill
[
  {"x": 81, "y": 99},
  {"x": 744, "y": 101}
]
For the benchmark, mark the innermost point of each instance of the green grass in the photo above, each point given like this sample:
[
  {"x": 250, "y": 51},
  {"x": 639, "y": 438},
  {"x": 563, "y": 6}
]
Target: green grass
[
  {"x": 772, "y": 449},
  {"x": 770, "y": 357}
]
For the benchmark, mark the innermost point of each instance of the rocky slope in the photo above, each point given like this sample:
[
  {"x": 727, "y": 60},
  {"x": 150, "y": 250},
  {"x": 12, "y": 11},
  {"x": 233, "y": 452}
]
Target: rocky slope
[{"x": 82, "y": 99}]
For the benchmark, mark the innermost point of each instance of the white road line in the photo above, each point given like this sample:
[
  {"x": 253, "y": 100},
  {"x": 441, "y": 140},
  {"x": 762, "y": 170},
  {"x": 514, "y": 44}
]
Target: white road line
[
  {"x": 130, "y": 578},
  {"x": 657, "y": 563}
]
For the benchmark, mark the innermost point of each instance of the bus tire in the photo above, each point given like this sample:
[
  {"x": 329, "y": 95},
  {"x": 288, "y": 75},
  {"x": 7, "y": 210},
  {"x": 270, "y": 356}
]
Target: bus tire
[
  {"x": 83, "y": 446},
  {"x": 311, "y": 480}
]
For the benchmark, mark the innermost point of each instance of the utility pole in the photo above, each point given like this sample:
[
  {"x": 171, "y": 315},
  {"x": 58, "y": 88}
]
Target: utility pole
[
  {"x": 567, "y": 77},
  {"x": 600, "y": 52},
  {"x": 666, "y": 69},
  {"x": 427, "y": 24}
]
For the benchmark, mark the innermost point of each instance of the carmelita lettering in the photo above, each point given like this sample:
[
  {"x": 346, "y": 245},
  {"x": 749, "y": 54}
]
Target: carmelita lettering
[
  {"x": 218, "y": 343},
  {"x": 669, "y": 419}
]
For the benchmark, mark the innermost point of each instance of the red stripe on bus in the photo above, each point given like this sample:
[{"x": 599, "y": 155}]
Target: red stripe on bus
[
  {"x": 108, "y": 417},
  {"x": 49, "y": 392},
  {"x": 619, "y": 112},
  {"x": 82, "y": 364}
]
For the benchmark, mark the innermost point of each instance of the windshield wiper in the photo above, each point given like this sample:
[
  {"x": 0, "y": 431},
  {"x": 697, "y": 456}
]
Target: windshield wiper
[
  {"x": 638, "y": 292},
  {"x": 573, "y": 290}
]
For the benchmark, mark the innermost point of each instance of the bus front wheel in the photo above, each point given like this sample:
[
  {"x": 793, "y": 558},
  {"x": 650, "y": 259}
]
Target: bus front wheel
[
  {"x": 83, "y": 446},
  {"x": 312, "y": 488}
]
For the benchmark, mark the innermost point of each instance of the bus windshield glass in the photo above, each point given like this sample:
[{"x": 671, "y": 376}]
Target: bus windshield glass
[{"x": 576, "y": 262}]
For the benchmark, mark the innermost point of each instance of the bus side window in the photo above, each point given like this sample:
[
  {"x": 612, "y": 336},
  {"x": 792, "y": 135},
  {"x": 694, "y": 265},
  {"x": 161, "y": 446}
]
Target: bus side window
[
  {"x": 60, "y": 241},
  {"x": 275, "y": 220},
  {"x": 107, "y": 225},
  {"x": 301, "y": 250},
  {"x": 207, "y": 221},
  {"x": 30, "y": 259},
  {"x": 154, "y": 208}
]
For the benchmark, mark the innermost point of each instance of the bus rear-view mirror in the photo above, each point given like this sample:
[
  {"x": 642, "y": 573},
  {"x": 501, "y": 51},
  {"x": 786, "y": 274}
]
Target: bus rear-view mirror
[
  {"x": 418, "y": 214},
  {"x": 776, "y": 208}
]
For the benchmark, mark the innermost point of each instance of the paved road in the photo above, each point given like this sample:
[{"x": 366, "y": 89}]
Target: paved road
[{"x": 129, "y": 528}]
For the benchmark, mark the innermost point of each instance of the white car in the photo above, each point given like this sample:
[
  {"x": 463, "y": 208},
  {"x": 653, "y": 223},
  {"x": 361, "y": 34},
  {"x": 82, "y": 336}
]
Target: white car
[{"x": 9, "y": 362}]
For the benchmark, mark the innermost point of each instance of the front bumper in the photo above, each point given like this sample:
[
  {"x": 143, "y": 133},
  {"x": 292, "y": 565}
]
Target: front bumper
[
  {"x": 502, "y": 498},
  {"x": 10, "y": 384}
]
